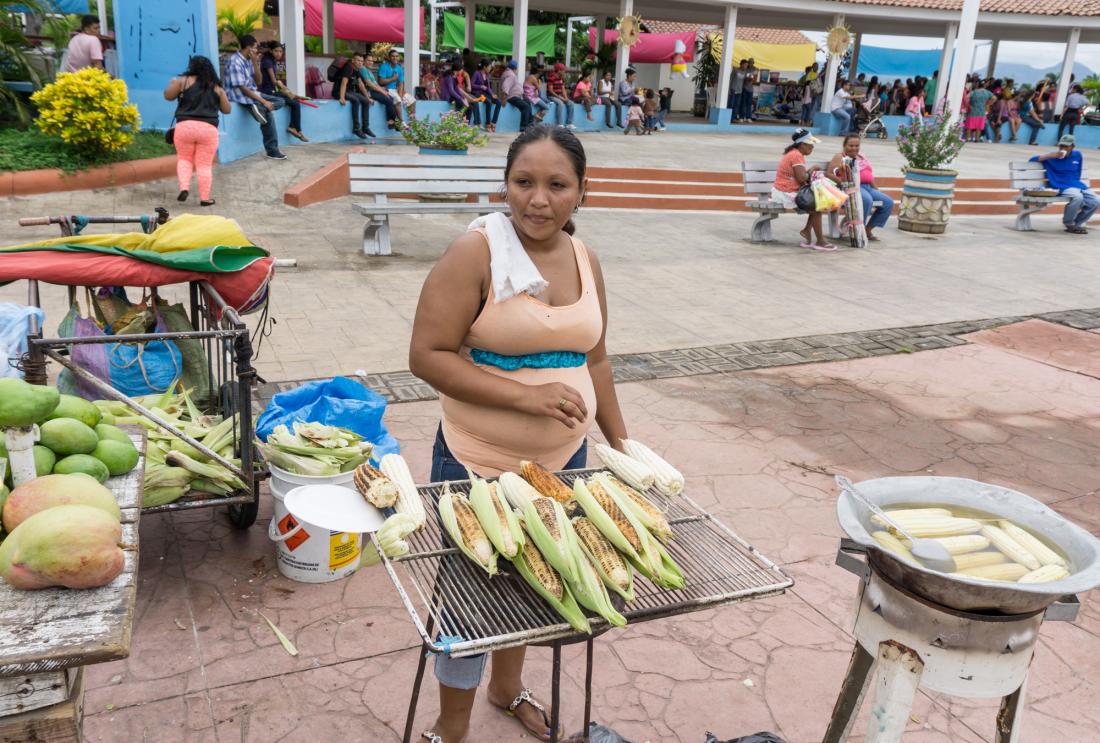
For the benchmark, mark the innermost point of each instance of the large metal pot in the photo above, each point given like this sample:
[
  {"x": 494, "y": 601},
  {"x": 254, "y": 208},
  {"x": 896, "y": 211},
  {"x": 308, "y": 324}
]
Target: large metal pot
[{"x": 968, "y": 594}]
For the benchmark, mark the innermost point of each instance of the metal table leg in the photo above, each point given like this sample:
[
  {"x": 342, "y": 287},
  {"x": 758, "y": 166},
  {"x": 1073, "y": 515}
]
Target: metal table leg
[
  {"x": 1010, "y": 715},
  {"x": 587, "y": 688},
  {"x": 410, "y": 718},
  {"x": 555, "y": 694},
  {"x": 851, "y": 696}
]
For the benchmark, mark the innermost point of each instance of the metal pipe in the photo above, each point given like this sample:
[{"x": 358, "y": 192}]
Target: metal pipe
[
  {"x": 183, "y": 505},
  {"x": 555, "y": 694},
  {"x": 138, "y": 337},
  {"x": 138, "y": 407},
  {"x": 587, "y": 688}
]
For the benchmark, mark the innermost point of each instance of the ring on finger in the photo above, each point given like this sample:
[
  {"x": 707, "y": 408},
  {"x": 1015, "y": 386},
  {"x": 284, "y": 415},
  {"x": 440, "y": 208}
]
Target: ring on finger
[{"x": 562, "y": 403}]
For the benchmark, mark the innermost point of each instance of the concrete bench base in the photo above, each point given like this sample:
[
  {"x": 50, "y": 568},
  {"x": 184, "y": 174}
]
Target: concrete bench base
[{"x": 1031, "y": 205}]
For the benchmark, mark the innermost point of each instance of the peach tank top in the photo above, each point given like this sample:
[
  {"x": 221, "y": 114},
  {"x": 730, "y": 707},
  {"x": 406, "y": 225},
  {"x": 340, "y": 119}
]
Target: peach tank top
[{"x": 494, "y": 440}]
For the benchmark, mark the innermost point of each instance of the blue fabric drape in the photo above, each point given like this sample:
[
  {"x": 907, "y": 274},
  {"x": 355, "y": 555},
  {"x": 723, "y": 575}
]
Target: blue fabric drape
[{"x": 891, "y": 64}]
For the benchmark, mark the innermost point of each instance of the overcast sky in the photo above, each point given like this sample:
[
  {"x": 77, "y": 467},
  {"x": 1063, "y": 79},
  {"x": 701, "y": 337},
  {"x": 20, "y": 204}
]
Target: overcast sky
[{"x": 1033, "y": 54}]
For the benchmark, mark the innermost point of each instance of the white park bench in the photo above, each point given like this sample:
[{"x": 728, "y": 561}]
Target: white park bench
[
  {"x": 1030, "y": 179},
  {"x": 446, "y": 177}
]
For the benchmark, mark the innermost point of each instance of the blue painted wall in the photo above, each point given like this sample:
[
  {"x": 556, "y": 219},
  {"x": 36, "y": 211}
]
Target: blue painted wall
[{"x": 155, "y": 40}]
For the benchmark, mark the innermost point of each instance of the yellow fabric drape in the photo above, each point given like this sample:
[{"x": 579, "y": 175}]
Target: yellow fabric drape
[
  {"x": 185, "y": 232},
  {"x": 241, "y": 7},
  {"x": 784, "y": 57}
]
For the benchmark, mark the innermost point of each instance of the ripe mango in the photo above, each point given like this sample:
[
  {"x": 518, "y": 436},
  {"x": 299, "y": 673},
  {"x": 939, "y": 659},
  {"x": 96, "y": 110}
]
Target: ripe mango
[
  {"x": 72, "y": 546},
  {"x": 56, "y": 490},
  {"x": 71, "y": 406},
  {"x": 65, "y": 436},
  {"x": 82, "y": 464},
  {"x": 22, "y": 404}
]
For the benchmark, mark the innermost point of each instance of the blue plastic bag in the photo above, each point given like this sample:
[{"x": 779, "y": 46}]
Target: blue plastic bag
[
  {"x": 334, "y": 402},
  {"x": 15, "y": 323}
]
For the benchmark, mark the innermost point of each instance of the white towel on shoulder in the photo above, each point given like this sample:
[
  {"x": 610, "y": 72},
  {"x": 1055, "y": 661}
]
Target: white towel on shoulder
[{"x": 511, "y": 268}]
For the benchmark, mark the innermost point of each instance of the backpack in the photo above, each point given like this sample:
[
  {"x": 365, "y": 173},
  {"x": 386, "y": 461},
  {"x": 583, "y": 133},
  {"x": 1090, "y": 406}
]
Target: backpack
[
  {"x": 336, "y": 69},
  {"x": 816, "y": 86}
]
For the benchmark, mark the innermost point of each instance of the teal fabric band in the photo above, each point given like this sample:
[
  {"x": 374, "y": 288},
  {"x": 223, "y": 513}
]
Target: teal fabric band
[{"x": 544, "y": 360}]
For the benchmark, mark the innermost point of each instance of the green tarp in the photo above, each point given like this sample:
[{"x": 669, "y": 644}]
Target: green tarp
[
  {"x": 495, "y": 38},
  {"x": 217, "y": 259}
]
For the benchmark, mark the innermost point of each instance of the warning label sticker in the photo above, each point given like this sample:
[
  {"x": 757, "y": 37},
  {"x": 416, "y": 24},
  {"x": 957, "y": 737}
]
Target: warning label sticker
[
  {"x": 343, "y": 549},
  {"x": 292, "y": 543}
]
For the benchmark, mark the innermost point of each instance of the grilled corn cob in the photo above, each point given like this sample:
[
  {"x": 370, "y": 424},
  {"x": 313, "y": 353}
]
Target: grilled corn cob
[
  {"x": 461, "y": 523},
  {"x": 888, "y": 541},
  {"x": 978, "y": 559},
  {"x": 650, "y": 516},
  {"x": 548, "y": 484},
  {"x": 667, "y": 478},
  {"x": 1013, "y": 550},
  {"x": 530, "y": 564},
  {"x": 546, "y": 524},
  {"x": 516, "y": 490},
  {"x": 964, "y": 543},
  {"x": 634, "y": 473},
  {"x": 500, "y": 523},
  {"x": 611, "y": 507},
  {"x": 1045, "y": 574},
  {"x": 378, "y": 489},
  {"x": 613, "y": 570},
  {"x": 1045, "y": 555},
  {"x": 591, "y": 592},
  {"x": 394, "y": 467},
  {"x": 1006, "y": 571}
]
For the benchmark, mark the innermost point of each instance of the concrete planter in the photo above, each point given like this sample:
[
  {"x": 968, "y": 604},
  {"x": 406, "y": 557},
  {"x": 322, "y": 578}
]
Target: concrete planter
[
  {"x": 440, "y": 151},
  {"x": 49, "y": 180},
  {"x": 926, "y": 198}
]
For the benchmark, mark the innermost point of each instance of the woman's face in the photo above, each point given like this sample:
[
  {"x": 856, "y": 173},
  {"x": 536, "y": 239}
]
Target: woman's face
[
  {"x": 542, "y": 190},
  {"x": 277, "y": 53},
  {"x": 851, "y": 147},
  {"x": 806, "y": 148}
]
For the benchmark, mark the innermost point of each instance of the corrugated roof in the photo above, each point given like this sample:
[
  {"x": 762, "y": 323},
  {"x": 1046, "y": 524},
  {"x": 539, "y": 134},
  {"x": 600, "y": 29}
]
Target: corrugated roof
[
  {"x": 745, "y": 33},
  {"x": 1033, "y": 7}
]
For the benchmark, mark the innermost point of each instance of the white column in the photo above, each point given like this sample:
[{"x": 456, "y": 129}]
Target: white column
[
  {"x": 412, "y": 44},
  {"x": 853, "y": 68},
  {"x": 945, "y": 64},
  {"x": 328, "y": 26},
  {"x": 992, "y": 64},
  {"x": 471, "y": 15},
  {"x": 519, "y": 36},
  {"x": 832, "y": 66},
  {"x": 601, "y": 25},
  {"x": 622, "y": 59},
  {"x": 103, "y": 27},
  {"x": 431, "y": 33},
  {"x": 725, "y": 65},
  {"x": 1067, "y": 70},
  {"x": 292, "y": 33},
  {"x": 964, "y": 52}
]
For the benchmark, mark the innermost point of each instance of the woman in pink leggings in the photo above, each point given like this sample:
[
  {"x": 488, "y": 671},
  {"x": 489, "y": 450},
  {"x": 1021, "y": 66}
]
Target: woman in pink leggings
[{"x": 199, "y": 96}]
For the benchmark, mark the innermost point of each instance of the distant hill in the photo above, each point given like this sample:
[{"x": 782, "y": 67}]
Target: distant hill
[{"x": 1023, "y": 73}]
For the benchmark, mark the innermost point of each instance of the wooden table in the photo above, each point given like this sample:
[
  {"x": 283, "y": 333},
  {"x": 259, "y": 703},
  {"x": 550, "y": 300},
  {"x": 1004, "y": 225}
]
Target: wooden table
[{"x": 47, "y": 636}]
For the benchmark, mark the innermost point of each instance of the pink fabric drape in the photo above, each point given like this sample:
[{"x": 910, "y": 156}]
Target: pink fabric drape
[
  {"x": 650, "y": 47},
  {"x": 361, "y": 23}
]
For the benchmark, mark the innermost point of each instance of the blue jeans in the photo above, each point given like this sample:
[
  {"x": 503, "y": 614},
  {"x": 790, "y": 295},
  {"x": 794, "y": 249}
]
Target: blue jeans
[
  {"x": 845, "y": 118},
  {"x": 563, "y": 119},
  {"x": 1033, "y": 139},
  {"x": 492, "y": 109},
  {"x": 745, "y": 107},
  {"x": 293, "y": 104},
  {"x": 881, "y": 214},
  {"x": 1081, "y": 207},
  {"x": 524, "y": 107},
  {"x": 465, "y": 673},
  {"x": 267, "y": 131},
  {"x": 540, "y": 104}
]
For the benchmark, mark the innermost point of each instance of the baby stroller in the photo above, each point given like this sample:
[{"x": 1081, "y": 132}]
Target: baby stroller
[{"x": 869, "y": 121}]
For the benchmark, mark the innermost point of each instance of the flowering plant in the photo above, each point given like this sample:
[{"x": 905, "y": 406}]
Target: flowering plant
[
  {"x": 89, "y": 110},
  {"x": 931, "y": 145},
  {"x": 451, "y": 132}
]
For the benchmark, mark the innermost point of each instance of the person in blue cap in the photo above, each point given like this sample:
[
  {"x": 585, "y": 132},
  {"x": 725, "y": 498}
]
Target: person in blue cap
[
  {"x": 1063, "y": 168},
  {"x": 511, "y": 89}
]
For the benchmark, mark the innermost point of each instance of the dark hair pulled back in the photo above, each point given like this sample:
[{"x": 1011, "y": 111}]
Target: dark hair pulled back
[
  {"x": 202, "y": 69},
  {"x": 564, "y": 139}
]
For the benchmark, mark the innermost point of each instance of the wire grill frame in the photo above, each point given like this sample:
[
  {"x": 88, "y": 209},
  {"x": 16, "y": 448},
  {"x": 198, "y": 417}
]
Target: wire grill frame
[{"x": 473, "y": 613}]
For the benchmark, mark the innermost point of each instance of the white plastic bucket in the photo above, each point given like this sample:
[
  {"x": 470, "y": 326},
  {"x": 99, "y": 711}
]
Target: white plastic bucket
[{"x": 306, "y": 552}]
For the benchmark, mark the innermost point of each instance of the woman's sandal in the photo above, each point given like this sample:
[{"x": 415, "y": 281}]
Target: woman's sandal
[
  {"x": 525, "y": 696},
  {"x": 298, "y": 134},
  {"x": 828, "y": 247},
  {"x": 432, "y": 737}
]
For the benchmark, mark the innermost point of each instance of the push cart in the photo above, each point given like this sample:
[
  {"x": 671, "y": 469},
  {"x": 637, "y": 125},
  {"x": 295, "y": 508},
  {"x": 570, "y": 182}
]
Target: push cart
[{"x": 228, "y": 354}]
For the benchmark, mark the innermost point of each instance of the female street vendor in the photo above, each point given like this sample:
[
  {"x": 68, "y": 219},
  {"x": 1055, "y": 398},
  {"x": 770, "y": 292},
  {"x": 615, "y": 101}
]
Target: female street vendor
[{"x": 510, "y": 330}]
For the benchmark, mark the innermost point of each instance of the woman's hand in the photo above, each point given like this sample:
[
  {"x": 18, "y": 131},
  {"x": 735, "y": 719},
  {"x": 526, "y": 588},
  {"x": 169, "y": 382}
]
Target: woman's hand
[{"x": 555, "y": 400}]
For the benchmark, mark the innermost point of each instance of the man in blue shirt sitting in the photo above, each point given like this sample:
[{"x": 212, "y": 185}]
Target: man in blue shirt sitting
[
  {"x": 391, "y": 76},
  {"x": 240, "y": 87},
  {"x": 1063, "y": 170}
]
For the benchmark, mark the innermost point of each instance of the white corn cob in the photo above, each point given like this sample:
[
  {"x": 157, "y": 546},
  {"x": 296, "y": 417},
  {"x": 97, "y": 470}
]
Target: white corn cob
[
  {"x": 911, "y": 512},
  {"x": 964, "y": 543},
  {"x": 978, "y": 559},
  {"x": 634, "y": 473},
  {"x": 1045, "y": 555},
  {"x": 1013, "y": 550},
  {"x": 1045, "y": 574},
  {"x": 391, "y": 537},
  {"x": 939, "y": 526},
  {"x": 517, "y": 491},
  {"x": 1006, "y": 571},
  {"x": 888, "y": 541},
  {"x": 667, "y": 478},
  {"x": 394, "y": 467}
]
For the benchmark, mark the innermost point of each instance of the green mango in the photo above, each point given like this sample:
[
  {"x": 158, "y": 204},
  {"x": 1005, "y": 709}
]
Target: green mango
[
  {"x": 107, "y": 432},
  {"x": 82, "y": 464},
  {"x": 120, "y": 458},
  {"x": 44, "y": 460},
  {"x": 67, "y": 436},
  {"x": 71, "y": 406},
  {"x": 22, "y": 404}
]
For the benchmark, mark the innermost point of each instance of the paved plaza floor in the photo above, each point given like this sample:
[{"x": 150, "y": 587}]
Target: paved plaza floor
[{"x": 760, "y": 370}]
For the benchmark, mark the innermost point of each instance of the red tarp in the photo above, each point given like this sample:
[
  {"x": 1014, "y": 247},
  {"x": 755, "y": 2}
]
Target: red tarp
[
  {"x": 238, "y": 288},
  {"x": 361, "y": 23},
  {"x": 650, "y": 47}
]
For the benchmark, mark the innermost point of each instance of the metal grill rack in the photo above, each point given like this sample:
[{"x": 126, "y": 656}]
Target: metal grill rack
[{"x": 458, "y": 609}]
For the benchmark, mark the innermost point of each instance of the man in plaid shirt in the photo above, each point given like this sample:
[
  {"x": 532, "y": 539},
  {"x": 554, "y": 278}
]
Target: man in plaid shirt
[{"x": 240, "y": 87}]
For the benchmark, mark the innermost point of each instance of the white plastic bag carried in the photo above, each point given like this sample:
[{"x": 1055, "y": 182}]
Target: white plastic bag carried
[{"x": 15, "y": 323}]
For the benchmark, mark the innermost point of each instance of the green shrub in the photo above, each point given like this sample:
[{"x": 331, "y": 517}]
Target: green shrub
[{"x": 88, "y": 110}]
